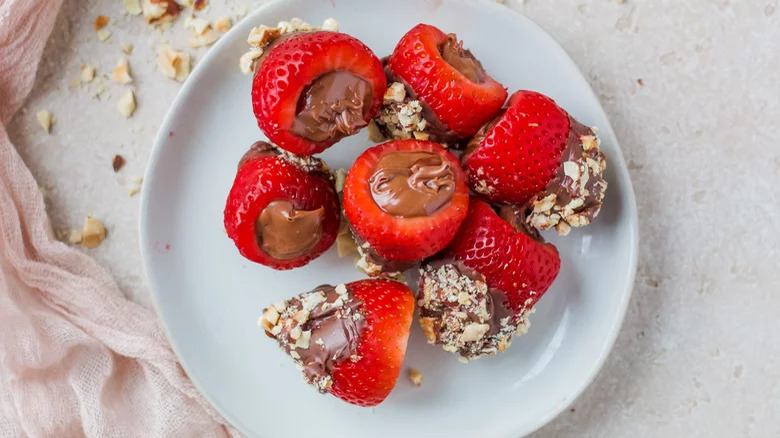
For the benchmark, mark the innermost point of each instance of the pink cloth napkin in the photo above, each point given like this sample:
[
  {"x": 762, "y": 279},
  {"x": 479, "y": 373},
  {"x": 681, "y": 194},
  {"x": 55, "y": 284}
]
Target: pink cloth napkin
[{"x": 76, "y": 358}]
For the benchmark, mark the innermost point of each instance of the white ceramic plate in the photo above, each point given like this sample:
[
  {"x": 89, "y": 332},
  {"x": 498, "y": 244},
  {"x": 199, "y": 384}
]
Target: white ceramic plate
[{"x": 209, "y": 297}]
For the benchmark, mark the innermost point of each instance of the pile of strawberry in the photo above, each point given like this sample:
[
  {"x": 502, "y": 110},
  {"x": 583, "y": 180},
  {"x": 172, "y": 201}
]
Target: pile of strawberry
[{"x": 468, "y": 219}]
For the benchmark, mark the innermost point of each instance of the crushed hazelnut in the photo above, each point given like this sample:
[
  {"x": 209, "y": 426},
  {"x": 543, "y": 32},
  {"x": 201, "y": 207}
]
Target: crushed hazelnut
[
  {"x": 93, "y": 233},
  {"x": 117, "y": 163},
  {"x": 173, "y": 63},
  {"x": 223, "y": 24},
  {"x": 103, "y": 35},
  {"x": 127, "y": 48},
  {"x": 132, "y": 7},
  {"x": 160, "y": 11},
  {"x": 101, "y": 21},
  {"x": 199, "y": 4},
  {"x": 126, "y": 104},
  {"x": 121, "y": 73},
  {"x": 45, "y": 119},
  {"x": 87, "y": 73},
  {"x": 416, "y": 377}
]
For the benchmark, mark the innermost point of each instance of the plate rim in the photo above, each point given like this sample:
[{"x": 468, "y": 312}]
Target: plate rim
[{"x": 617, "y": 156}]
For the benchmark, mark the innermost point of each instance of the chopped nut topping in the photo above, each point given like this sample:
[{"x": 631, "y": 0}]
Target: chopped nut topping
[
  {"x": 126, "y": 104},
  {"x": 416, "y": 377},
  {"x": 173, "y": 63},
  {"x": 121, "y": 72},
  {"x": 93, "y": 233},
  {"x": 45, "y": 119},
  {"x": 262, "y": 36},
  {"x": 579, "y": 196}
]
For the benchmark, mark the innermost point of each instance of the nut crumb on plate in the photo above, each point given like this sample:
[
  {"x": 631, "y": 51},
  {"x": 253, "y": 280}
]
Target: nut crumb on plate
[
  {"x": 45, "y": 119},
  {"x": 132, "y": 7},
  {"x": 117, "y": 163},
  {"x": 93, "y": 233},
  {"x": 126, "y": 103},
  {"x": 173, "y": 63},
  {"x": 87, "y": 73},
  {"x": 223, "y": 24},
  {"x": 121, "y": 73},
  {"x": 416, "y": 377}
]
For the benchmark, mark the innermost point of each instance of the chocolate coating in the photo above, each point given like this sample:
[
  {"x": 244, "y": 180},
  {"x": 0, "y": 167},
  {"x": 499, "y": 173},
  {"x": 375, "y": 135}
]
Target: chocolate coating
[
  {"x": 332, "y": 107},
  {"x": 460, "y": 59},
  {"x": 258, "y": 149},
  {"x": 285, "y": 232},
  {"x": 516, "y": 216},
  {"x": 436, "y": 129},
  {"x": 412, "y": 184},
  {"x": 563, "y": 186}
]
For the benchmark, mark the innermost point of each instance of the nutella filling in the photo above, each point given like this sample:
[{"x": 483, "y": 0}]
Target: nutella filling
[
  {"x": 412, "y": 184},
  {"x": 285, "y": 232},
  {"x": 332, "y": 107},
  {"x": 460, "y": 59},
  {"x": 335, "y": 334}
]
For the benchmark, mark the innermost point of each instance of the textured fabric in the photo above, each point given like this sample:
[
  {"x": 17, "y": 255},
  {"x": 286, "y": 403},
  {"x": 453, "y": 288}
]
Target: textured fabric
[{"x": 76, "y": 358}]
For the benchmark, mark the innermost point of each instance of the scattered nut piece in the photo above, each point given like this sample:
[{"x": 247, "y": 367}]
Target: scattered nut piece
[
  {"x": 45, "y": 120},
  {"x": 199, "y": 4},
  {"x": 121, "y": 72},
  {"x": 247, "y": 59},
  {"x": 132, "y": 7},
  {"x": 100, "y": 22},
  {"x": 126, "y": 104},
  {"x": 103, "y": 35},
  {"x": 173, "y": 63},
  {"x": 330, "y": 24},
  {"x": 416, "y": 377},
  {"x": 117, "y": 163},
  {"x": 198, "y": 25},
  {"x": 207, "y": 38},
  {"x": 93, "y": 233},
  {"x": 223, "y": 24},
  {"x": 73, "y": 237},
  {"x": 87, "y": 73},
  {"x": 134, "y": 190},
  {"x": 160, "y": 11},
  {"x": 127, "y": 49}
]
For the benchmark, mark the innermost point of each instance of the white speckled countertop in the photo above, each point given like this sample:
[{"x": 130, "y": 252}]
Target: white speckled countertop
[{"x": 693, "y": 91}]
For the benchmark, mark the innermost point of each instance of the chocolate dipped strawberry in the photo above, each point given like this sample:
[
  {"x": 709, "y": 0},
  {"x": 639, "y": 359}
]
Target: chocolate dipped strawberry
[
  {"x": 313, "y": 87},
  {"x": 348, "y": 340},
  {"x": 283, "y": 210},
  {"x": 405, "y": 200},
  {"x": 536, "y": 155},
  {"x": 479, "y": 292},
  {"x": 439, "y": 90}
]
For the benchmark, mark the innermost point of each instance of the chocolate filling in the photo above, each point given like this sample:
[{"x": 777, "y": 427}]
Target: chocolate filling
[
  {"x": 412, "y": 184},
  {"x": 285, "y": 233},
  {"x": 332, "y": 107},
  {"x": 462, "y": 60}
]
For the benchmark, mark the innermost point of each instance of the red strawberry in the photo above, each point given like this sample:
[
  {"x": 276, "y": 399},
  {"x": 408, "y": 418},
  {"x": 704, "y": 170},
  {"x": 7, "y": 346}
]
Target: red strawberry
[
  {"x": 349, "y": 340},
  {"x": 406, "y": 198},
  {"x": 313, "y": 88},
  {"x": 281, "y": 214},
  {"x": 512, "y": 259},
  {"x": 536, "y": 148},
  {"x": 447, "y": 79}
]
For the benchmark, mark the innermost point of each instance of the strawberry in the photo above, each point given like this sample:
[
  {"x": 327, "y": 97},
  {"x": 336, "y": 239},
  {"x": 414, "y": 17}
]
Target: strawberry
[
  {"x": 349, "y": 340},
  {"x": 313, "y": 88},
  {"x": 405, "y": 198},
  {"x": 512, "y": 259},
  {"x": 536, "y": 154},
  {"x": 282, "y": 211},
  {"x": 448, "y": 80}
]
